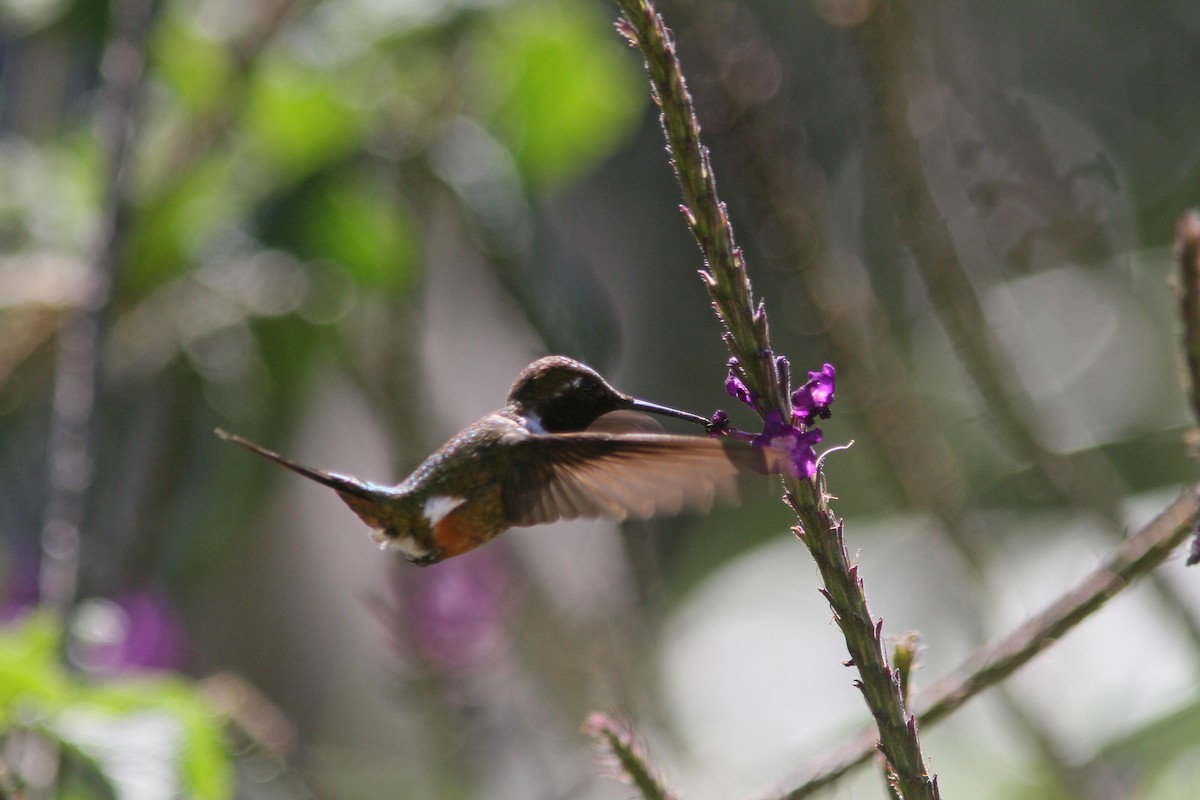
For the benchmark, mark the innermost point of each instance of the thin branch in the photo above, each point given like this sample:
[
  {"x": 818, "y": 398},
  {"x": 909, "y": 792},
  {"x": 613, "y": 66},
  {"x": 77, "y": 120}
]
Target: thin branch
[
  {"x": 1141, "y": 553},
  {"x": 1187, "y": 254},
  {"x": 748, "y": 340},
  {"x": 77, "y": 369}
]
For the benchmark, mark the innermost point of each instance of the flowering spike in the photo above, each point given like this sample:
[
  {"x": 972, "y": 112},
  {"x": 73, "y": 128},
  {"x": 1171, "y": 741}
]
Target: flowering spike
[{"x": 688, "y": 216}]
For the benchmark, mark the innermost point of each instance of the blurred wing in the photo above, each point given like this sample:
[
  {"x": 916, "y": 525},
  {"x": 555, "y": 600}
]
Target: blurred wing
[
  {"x": 622, "y": 422},
  {"x": 566, "y": 476}
]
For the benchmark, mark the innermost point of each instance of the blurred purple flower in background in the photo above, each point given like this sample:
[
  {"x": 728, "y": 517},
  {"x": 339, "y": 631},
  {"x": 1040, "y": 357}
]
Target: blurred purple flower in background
[
  {"x": 20, "y": 591},
  {"x": 138, "y": 630},
  {"x": 135, "y": 631},
  {"x": 155, "y": 638},
  {"x": 456, "y": 613}
]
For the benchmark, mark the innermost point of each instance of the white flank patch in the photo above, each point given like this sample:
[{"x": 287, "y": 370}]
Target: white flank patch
[
  {"x": 407, "y": 545},
  {"x": 533, "y": 424},
  {"x": 409, "y": 548},
  {"x": 439, "y": 505}
]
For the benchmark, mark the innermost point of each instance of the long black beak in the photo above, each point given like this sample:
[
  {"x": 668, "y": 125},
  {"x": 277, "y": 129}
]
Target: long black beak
[{"x": 667, "y": 411}]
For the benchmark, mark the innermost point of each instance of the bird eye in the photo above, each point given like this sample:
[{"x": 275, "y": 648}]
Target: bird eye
[{"x": 589, "y": 386}]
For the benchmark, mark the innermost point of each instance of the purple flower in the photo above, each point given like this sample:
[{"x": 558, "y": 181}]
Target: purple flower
[
  {"x": 156, "y": 637},
  {"x": 734, "y": 386},
  {"x": 19, "y": 593},
  {"x": 795, "y": 439},
  {"x": 797, "y": 444},
  {"x": 136, "y": 631},
  {"x": 811, "y": 401},
  {"x": 457, "y": 614},
  {"x": 718, "y": 424}
]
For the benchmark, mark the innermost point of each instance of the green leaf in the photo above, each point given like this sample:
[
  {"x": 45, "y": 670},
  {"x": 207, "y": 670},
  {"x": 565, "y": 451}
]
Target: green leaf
[
  {"x": 204, "y": 766},
  {"x": 170, "y": 228},
  {"x": 1152, "y": 746},
  {"x": 298, "y": 118},
  {"x": 30, "y": 672},
  {"x": 564, "y": 94},
  {"x": 195, "y": 66},
  {"x": 51, "y": 192},
  {"x": 354, "y": 219},
  {"x": 118, "y": 727}
]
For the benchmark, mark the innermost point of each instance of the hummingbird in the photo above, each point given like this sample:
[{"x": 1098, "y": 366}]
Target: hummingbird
[{"x": 555, "y": 451}]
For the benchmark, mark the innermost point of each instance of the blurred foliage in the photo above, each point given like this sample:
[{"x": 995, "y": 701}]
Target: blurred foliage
[
  {"x": 343, "y": 227},
  {"x": 554, "y": 92},
  {"x": 177, "y": 740}
]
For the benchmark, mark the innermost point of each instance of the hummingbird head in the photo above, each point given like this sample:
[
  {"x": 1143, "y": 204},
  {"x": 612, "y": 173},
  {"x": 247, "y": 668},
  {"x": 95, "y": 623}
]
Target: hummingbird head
[{"x": 561, "y": 395}]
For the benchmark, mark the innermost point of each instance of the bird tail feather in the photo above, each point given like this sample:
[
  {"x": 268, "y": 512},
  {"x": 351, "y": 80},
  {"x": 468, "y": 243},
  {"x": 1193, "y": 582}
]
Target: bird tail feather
[{"x": 342, "y": 483}]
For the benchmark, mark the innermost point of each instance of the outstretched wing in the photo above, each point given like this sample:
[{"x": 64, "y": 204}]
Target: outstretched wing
[{"x": 572, "y": 475}]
